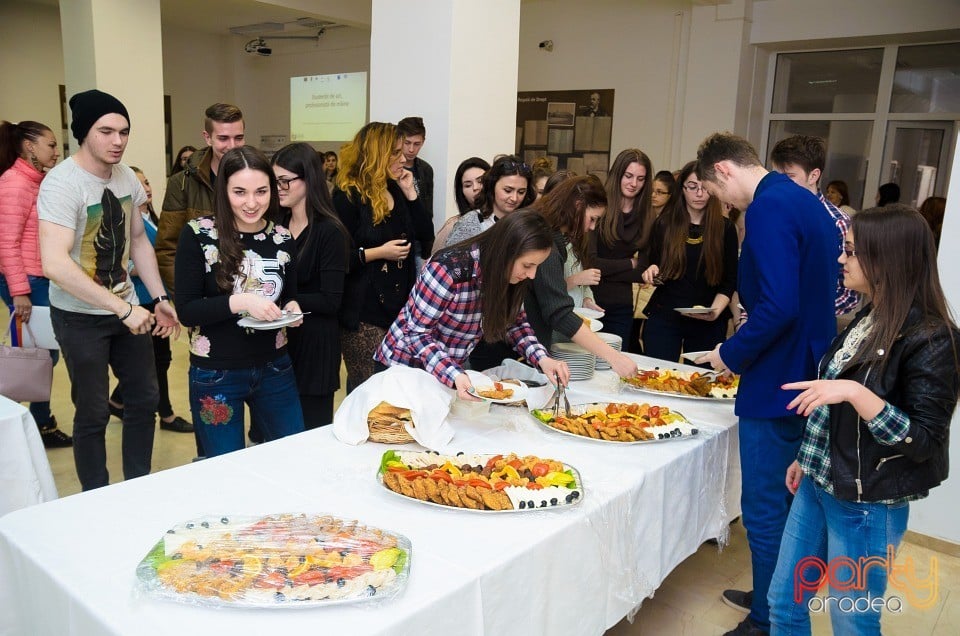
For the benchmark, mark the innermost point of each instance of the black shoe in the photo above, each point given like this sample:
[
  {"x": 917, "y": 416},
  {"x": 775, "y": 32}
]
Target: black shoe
[
  {"x": 55, "y": 438},
  {"x": 746, "y": 628},
  {"x": 177, "y": 424},
  {"x": 116, "y": 411},
  {"x": 738, "y": 600}
]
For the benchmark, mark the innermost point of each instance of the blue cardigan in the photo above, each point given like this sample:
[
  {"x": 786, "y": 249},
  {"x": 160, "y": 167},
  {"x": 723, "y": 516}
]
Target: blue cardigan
[{"x": 787, "y": 283}]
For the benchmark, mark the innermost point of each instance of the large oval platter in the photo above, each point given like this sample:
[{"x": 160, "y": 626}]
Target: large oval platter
[
  {"x": 456, "y": 481},
  {"x": 675, "y": 383},
  {"x": 619, "y": 423}
]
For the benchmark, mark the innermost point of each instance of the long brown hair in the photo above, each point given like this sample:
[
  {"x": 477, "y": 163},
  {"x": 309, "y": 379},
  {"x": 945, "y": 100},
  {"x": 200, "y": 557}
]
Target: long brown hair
[
  {"x": 676, "y": 223},
  {"x": 228, "y": 238},
  {"x": 607, "y": 228},
  {"x": 500, "y": 246},
  {"x": 896, "y": 252},
  {"x": 564, "y": 207}
]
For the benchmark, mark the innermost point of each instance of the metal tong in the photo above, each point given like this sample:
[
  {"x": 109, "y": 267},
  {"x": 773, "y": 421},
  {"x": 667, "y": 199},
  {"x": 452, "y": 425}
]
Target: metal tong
[{"x": 553, "y": 404}]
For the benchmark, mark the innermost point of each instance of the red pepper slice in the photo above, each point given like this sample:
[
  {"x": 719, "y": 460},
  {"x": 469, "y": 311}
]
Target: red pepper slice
[
  {"x": 534, "y": 486},
  {"x": 493, "y": 460},
  {"x": 410, "y": 475},
  {"x": 654, "y": 411},
  {"x": 516, "y": 463},
  {"x": 479, "y": 483},
  {"x": 540, "y": 469},
  {"x": 441, "y": 475},
  {"x": 500, "y": 485}
]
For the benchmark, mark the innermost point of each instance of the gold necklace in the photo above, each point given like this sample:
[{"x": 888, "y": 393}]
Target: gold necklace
[{"x": 694, "y": 241}]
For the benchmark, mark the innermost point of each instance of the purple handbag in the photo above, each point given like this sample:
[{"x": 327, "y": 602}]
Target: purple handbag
[{"x": 26, "y": 373}]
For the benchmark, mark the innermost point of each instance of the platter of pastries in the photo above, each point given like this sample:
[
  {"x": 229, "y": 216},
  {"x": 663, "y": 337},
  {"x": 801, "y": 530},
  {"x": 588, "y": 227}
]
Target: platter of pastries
[
  {"x": 618, "y": 422},
  {"x": 482, "y": 483},
  {"x": 278, "y": 560},
  {"x": 685, "y": 384}
]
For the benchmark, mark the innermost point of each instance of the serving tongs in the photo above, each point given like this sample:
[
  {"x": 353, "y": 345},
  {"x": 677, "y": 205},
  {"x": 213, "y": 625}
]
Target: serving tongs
[{"x": 553, "y": 404}]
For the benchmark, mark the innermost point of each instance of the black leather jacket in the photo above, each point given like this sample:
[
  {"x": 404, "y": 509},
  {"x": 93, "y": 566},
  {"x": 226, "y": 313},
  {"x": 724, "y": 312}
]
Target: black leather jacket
[{"x": 921, "y": 379}]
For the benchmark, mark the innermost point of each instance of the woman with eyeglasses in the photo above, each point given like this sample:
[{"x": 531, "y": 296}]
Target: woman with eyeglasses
[
  {"x": 618, "y": 247},
  {"x": 664, "y": 189},
  {"x": 236, "y": 263},
  {"x": 507, "y": 186},
  {"x": 693, "y": 249},
  {"x": 878, "y": 424},
  {"x": 321, "y": 260},
  {"x": 377, "y": 202}
]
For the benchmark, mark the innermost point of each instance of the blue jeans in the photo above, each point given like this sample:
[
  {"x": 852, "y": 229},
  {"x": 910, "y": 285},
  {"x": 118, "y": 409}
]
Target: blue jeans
[
  {"x": 217, "y": 397},
  {"x": 767, "y": 448},
  {"x": 90, "y": 344},
  {"x": 821, "y": 531},
  {"x": 39, "y": 295}
]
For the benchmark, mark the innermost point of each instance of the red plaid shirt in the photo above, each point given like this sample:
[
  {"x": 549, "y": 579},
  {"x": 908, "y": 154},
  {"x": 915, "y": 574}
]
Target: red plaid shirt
[{"x": 440, "y": 324}]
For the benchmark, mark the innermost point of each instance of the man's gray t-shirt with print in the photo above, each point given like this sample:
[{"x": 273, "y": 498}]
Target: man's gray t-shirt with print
[{"x": 99, "y": 211}]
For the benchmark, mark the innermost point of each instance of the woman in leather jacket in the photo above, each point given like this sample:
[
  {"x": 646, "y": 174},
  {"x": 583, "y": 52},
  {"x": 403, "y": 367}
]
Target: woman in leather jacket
[{"x": 877, "y": 433}]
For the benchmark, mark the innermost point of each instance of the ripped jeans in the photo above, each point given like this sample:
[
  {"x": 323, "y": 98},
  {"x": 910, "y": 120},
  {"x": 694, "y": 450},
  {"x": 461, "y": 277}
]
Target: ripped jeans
[{"x": 217, "y": 397}]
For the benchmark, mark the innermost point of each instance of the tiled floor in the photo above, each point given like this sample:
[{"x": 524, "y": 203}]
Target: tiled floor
[{"x": 688, "y": 602}]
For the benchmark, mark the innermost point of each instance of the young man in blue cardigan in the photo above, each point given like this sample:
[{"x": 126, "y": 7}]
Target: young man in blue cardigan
[{"x": 787, "y": 284}]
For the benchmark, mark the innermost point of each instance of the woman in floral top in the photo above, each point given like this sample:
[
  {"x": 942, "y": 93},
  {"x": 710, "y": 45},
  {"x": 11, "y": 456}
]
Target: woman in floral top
[{"x": 234, "y": 263}]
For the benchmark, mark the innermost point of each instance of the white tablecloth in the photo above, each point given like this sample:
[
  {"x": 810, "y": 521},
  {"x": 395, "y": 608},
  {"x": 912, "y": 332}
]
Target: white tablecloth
[
  {"x": 25, "y": 477},
  {"x": 68, "y": 566}
]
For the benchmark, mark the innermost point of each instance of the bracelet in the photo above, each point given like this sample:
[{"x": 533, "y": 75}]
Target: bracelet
[
  {"x": 362, "y": 255},
  {"x": 129, "y": 311},
  {"x": 159, "y": 299}
]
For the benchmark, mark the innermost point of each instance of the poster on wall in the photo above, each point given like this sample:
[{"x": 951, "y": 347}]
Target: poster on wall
[{"x": 571, "y": 128}]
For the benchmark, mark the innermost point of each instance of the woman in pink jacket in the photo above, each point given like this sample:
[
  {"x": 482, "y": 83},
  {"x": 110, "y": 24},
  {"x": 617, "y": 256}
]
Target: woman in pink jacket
[{"x": 26, "y": 150}]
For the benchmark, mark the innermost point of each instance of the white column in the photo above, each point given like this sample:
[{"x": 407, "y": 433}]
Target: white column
[
  {"x": 454, "y": 63},
  {"x": 114, "y": 46},
  {"x": 937, "y": 516}
]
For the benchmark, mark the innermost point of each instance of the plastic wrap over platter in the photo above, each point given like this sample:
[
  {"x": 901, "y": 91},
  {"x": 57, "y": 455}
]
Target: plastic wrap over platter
[{"x": 275, "y": 561}]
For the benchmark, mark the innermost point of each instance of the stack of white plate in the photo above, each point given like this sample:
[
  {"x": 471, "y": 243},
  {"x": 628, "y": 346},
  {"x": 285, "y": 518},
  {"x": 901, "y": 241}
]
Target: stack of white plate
[
  {"x": 614, "y": 341},
  {"x": 580, "y": 361}
]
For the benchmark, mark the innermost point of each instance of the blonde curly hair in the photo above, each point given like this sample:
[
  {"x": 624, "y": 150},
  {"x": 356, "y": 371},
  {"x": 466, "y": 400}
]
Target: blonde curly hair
[{"x": 364, "y": 165}]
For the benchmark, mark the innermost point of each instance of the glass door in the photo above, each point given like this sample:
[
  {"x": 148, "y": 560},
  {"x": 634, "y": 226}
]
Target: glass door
[{"x": 916, "y": 157}]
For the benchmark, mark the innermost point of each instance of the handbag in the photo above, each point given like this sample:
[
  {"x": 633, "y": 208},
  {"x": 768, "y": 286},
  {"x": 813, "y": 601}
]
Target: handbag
[{"x": 26, "y": 373}]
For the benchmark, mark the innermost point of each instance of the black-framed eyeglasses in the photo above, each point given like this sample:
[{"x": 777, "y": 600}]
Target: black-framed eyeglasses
[{"x": 284, "y": 182}]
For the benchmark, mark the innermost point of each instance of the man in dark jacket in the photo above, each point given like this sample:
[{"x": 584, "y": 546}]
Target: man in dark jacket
[
  {"x": 190, "y": 192},
  {"x": 413, "y": 132}
]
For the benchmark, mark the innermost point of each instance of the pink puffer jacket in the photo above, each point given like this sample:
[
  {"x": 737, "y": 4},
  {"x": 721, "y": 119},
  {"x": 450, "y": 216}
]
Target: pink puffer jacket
[{"x": 19, "y": 226}]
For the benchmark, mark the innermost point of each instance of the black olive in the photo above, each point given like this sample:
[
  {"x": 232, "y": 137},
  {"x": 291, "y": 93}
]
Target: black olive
[
  {"x": 569, "y": 498},
  {"x": 371, "y": 591},
  {"x": 282, "y": 570},
  {"x": 177, "y": 556},
  {"x": 576, "y": 494},
  {"x": 224, "y": 520},
  {"x": 523, "y": 505},
  {"x": 543, "y": 504},
  {"x": 553, "y": 502},
  {"x": 199, "y": 547},
  {"x": 694, "y": 431},
  {"x": 344, "y": 553},
  {"x": 189, "y": 526},
  {"x": 460, "y": 453},
  {"x": 171, "y": 531},
  {"x": 530, "y": 504},
  {"x": 279, "y": 597},
  {"x": 205, "y": 524},
  {"x": 303, "y": 559},
  {"x": 341, "y": 582}
]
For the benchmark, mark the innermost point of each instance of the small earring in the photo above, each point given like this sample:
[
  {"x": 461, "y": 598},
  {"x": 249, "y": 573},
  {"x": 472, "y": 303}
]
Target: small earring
[{"x": 36, "y": 164}]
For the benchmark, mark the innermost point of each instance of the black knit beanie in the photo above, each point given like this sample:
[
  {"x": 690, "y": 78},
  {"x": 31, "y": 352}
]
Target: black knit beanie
[{"x": 89, "y": 106}]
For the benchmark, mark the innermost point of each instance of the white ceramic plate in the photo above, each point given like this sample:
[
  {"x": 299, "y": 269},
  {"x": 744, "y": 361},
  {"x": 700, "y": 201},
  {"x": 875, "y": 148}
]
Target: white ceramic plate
[
  {"x": 252, "y": 323},
  {"x": 482, "y": 382},
  {"x": 586, "y": 312},
  {"x": 595, "y": 325},
  {"x": 693, "y": 310},
  {"x": 693, "y": 356}
]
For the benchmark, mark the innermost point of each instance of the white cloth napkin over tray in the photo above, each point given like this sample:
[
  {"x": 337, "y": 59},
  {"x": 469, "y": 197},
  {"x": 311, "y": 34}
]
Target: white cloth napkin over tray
[{"x": 428, "y": 400}]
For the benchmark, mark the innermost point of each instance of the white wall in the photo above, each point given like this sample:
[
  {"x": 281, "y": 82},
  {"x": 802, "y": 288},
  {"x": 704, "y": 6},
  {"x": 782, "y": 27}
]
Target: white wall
[{"x": 32, "y": 68}]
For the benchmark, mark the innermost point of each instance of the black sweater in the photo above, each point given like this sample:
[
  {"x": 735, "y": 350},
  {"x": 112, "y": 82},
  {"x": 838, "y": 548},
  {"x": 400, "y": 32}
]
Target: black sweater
[{"x": 216, "y": 341}]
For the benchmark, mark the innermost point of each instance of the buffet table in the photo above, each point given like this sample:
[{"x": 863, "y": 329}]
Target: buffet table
[
  {"x": 68, "y": 566},
  {"x": 25, "y": 477}
]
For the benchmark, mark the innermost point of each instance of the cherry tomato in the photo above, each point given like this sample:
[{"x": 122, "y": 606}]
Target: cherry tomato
[
  {"x": 654, "y": 411},
  {"x": 540, "y": 469}
]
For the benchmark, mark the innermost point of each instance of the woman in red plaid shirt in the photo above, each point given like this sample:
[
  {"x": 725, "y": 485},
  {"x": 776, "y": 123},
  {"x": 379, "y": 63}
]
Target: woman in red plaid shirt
[{"x": 471, "y": 291}]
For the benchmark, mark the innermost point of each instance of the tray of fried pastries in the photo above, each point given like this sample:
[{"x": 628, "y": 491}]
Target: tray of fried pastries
[
  {"x": 481, "y": 483},
  {"x": 694, "y": 385},
  {"x": 618, "y": 422}
]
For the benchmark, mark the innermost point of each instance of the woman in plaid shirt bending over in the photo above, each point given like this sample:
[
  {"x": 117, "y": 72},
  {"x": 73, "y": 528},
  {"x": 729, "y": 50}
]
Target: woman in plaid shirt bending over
[
  {"x": 471, "y": 291},
  {"x": 877, "y": 433}
]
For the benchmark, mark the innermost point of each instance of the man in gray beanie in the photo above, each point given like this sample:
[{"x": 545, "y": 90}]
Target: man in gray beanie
[{"x": 90, "y": 229}]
